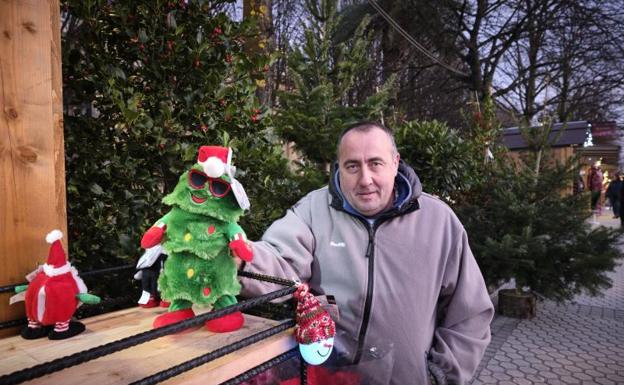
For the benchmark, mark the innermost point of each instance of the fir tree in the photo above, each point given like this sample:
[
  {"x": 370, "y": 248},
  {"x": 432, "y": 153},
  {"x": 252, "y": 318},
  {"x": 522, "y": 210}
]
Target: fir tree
[
  {"x": 324, "y": 76},
  {"x": 524, "y": 223}
]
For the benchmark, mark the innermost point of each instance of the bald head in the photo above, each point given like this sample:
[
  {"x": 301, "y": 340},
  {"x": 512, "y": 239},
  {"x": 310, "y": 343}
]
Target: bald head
[{"x": 367, "y": 127}]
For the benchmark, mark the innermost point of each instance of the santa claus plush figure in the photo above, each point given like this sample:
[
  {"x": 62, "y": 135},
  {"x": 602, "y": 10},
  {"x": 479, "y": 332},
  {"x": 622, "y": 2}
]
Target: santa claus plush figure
[{"x": 53, "y": 294}]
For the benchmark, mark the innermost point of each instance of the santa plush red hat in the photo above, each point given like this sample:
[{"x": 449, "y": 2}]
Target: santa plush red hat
[
  {"x": 56, "y": 256},
  {"x": 216, "y": 161}
]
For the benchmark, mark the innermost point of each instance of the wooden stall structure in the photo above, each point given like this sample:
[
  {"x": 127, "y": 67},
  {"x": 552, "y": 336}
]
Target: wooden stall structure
[
  {"x": 32, "y": 170},
  {"x": 141, "y": 361}
]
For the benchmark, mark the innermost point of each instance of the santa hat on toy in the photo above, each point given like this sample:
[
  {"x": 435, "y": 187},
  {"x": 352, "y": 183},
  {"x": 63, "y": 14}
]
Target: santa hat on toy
[
  {"x": 216, "y": 161},
  {"x": 56, "y": 256},
  {"x": 313, "y": 322}
]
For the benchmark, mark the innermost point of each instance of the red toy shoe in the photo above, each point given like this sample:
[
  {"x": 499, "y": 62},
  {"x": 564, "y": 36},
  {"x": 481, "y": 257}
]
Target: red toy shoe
[
  {"x": 151, "y": 303},
  {"x": 172, "y": 317},
  {"x": 227, "y": 323},
  {"x": 164, "y": 303}
]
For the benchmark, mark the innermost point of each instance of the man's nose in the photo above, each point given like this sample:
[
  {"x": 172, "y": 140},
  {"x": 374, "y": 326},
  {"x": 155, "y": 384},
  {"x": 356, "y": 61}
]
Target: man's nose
[{"x": 365, "y": 177}]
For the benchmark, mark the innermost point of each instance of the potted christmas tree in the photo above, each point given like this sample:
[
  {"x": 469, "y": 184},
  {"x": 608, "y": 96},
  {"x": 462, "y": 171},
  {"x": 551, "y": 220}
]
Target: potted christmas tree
[{"x": 525, "y": 225}]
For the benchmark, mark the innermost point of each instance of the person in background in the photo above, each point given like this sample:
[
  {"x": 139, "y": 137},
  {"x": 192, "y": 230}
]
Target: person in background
[
  {"x": 396, "y": 261},
  {"x": 579, "y": 185},
  {"x": 594, "y": 184},
  {"x": 613, "y": 193}
]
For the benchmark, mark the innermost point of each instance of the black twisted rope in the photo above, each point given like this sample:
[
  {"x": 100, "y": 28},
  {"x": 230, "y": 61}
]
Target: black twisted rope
[
  {"x": 198, "y": 361},
  {"x": 303, "y": 373},
  {"x": 267, "y": 278},
  {"x": 9, "y": 288},
  {"x": 251, "y": 373},
  {"x": 12, "y": 323},
  {"x": 124, "y": 343}
]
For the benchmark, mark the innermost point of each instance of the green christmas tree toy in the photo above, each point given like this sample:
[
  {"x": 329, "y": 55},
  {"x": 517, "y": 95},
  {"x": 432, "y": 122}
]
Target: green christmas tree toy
[{"x": 201, "y": 235}]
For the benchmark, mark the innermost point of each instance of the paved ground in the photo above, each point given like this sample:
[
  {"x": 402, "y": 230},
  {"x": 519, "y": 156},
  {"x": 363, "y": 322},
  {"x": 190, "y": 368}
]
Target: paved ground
[{"x": 581, "y": 342}]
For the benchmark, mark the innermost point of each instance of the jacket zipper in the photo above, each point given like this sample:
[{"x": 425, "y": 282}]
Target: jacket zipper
[{"x": 370, "y": 255}]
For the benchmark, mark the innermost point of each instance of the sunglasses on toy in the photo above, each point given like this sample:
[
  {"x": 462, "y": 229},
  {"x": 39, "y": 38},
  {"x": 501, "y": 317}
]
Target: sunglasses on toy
[{"x": 218, "y": 187}]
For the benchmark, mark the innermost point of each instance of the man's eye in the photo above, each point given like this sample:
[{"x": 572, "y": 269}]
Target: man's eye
[{"x": 351, "y": 167}]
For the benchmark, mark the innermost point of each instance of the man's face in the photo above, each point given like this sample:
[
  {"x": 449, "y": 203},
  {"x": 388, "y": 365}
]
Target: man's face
[{"x": 368, "y": 166}]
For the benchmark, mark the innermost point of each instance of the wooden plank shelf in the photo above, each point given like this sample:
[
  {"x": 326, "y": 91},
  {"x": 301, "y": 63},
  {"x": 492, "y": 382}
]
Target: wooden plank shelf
[{"x": 146, "y": 359}]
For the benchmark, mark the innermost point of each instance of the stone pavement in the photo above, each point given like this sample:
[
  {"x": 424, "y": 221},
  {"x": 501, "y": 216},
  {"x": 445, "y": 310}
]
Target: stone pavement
[{"x": 581, "y": 342}]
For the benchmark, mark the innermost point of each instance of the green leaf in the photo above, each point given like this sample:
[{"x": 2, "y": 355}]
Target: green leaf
[
  {"x": 96, "y": 189},
  {"x": 143, "y": 36}
]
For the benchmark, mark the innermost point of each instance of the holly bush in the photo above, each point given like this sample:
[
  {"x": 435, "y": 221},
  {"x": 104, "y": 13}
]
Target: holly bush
[{"x": 145, "y": 84}]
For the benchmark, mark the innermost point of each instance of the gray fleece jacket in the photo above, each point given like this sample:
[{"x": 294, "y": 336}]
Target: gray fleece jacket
[{"x": 407, "y": 287}]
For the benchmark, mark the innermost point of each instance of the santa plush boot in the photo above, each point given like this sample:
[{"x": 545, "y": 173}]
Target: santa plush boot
[
  {"x": 66, "y": 329},
  {"x": 35, "y": 330}
]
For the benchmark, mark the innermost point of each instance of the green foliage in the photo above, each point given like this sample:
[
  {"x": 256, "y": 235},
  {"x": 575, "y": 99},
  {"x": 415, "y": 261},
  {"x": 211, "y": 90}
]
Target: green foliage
[
  {"x": 524, "y": 223},
  {"x": 145, "y": 84},
  {"x": 324, "y": 75},
  {"x": 446, "y": 163}
]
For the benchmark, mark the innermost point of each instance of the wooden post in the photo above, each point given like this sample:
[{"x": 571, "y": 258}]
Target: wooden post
[{"x": 32, "y": 168}]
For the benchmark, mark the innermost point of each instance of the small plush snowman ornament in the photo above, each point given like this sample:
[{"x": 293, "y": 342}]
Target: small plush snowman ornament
[{"x": 315, "y": 329}]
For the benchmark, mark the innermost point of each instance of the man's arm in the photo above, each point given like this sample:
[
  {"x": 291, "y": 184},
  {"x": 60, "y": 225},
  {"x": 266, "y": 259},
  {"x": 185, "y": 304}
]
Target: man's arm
[
  {"x": 286, "y": 250},
  {"x": 463, "y": 318}
]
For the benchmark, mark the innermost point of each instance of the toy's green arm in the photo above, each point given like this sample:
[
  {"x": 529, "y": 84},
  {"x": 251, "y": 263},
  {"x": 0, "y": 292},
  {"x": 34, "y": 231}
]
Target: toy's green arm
[
  {"x": 233, "y": 229},
  {"x": 20, "y": 288},
  {"x": 88, "y": 298},
  {"x": 163, "y": 220}
]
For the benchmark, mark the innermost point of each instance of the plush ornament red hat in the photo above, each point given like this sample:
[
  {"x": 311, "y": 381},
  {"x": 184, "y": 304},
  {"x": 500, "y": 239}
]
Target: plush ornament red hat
[
  {"x": 313, "y": 322},
  {"x": 56, "y": 256},
  {"x": 215, "y": 160}
]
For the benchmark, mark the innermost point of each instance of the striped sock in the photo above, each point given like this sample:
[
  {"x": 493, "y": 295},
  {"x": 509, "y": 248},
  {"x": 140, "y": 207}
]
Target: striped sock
[
  {"x": 61, "y": 326},
  {"x": 33, "y": 324}
]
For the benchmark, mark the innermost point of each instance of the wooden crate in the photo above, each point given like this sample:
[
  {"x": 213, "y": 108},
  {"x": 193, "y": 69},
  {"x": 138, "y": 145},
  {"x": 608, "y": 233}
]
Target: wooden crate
[{"x": 143, "y": 360}]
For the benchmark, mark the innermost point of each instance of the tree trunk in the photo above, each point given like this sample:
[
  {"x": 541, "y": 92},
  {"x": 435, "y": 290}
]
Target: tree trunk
[{"x": 263, "y": 43}]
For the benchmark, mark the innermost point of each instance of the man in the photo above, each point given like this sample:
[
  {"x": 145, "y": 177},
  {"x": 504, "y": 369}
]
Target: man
[
  {"x": 613, "y": 194},
  {"x": 396, "y": 260}
]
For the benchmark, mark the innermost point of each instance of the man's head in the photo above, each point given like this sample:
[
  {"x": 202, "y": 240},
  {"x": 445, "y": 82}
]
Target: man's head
[{"x": 368, "y": 162}]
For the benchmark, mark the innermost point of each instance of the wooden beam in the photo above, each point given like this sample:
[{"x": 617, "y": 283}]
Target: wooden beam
[
  {"x": 32, "y": 169},
  {"x": 146, "y": 359}
]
